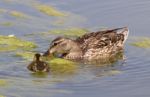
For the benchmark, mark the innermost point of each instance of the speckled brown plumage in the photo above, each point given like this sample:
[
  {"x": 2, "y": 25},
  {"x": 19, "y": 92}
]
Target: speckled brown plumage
[
  {"x": 92, "y": 45},
  {"x": 37, "y": 65}
]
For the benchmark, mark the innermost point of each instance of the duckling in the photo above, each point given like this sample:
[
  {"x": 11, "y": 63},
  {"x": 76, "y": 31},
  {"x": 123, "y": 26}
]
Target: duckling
[
  {"x": 90, "y": 46},
  {"x": 37, "y": 65}
]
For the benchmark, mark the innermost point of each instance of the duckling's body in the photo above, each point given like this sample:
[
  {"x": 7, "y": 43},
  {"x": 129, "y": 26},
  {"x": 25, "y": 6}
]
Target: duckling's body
[
  {"x": 91, "y": 46},
  {"x": 37, "y": 65}
]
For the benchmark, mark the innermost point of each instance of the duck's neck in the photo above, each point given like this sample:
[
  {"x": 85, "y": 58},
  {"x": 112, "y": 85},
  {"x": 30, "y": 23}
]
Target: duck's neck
[{"x": 75, "y": 52}]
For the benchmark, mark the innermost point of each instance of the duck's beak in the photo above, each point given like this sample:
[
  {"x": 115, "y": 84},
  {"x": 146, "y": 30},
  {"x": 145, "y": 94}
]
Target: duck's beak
[{"x": 46, "y": 53}]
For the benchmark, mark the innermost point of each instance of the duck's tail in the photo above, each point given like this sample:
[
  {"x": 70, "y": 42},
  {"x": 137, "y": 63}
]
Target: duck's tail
[{"x": 123, "y": 31}]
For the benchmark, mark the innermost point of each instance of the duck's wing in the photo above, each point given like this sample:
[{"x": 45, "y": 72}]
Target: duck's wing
[
  {"x": 43, "y": 66},
  {"x": 101, "y": 39}
]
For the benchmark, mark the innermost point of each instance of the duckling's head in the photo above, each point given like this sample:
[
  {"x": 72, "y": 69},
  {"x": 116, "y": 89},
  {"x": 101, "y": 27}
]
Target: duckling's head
[
  {"x": 37, "y": 57},
  {"x": 37, "y": 65},
  {"x": 63, "y": 46}
]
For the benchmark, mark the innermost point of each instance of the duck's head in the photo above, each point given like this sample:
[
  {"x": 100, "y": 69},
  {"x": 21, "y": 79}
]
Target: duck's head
[
  {"x": 38, "y": 65},
  {"x": 63, "y": 47}
]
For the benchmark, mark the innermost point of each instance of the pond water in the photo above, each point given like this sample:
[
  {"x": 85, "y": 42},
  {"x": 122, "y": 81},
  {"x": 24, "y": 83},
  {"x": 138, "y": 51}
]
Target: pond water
[{"x": 124, "y": 78}]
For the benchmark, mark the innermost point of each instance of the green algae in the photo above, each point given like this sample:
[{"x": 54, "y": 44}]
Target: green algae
[
  {"x": 49, "y": 10},
  {"x": 11, "y": 43},
  {"x": 109, "y": 73},
  {"x": 14, "y": 13},
  {"x": 62, "y": 66},
  {"x": 3, "y": 82},
  {"x": 69, "y": 32},
  {"x": 2, "y": 96},
  {"x": 18, "y": 14},
  {"x": 25, "y": 55},
  {"x": 71, "y": 19},
  {"x": 113, "y": 72},
  {"x": 142, "y": 43},
  {"x": 39, "y": 74},
  {"x": 7, "y": 24},
  {"x": 4, "y": 48},
  {"x": 3, "y": 10}
]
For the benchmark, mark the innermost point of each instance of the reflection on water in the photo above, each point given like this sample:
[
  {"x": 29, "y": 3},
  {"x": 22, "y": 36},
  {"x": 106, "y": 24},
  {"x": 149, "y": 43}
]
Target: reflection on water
[{"x": 113, "y": 77}]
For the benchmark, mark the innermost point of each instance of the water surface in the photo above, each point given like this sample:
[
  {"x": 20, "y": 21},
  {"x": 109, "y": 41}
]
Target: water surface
[{"x": 129, "y": 78}]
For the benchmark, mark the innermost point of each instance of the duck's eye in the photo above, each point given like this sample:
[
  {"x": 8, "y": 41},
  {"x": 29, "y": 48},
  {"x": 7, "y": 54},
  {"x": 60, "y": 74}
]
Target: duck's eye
[{"x": 55, "y": 44}]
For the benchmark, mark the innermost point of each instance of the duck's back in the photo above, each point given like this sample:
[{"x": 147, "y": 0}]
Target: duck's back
[{"x": 103, "y": 42}]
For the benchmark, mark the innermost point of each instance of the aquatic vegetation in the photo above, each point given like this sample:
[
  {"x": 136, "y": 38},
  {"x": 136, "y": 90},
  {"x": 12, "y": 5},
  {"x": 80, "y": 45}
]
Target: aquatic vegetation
[
  {"x": 71, "y": 20},
  {"x": 62, "y": 66},
  {"x": 8, "y": 43},
  {"x": 14, "y": 13},
  {"x": 49, "y": 10},
  {"x": 142, "y": 43},
  {"x": 25, "y": 55},
  {"x": 39, "y": 74},
  {"x": 7, "y": 24},
  {"x": 2, "y": 10},
  {"x": 18, "y": 14},
  {"x": 3, "y": 82},
  {"x": 114, "y": 72},
  {"x": 4, "y": 48},
  {"x": 69, "y": 32},
  {"x": 109, "y": 73},
  {"x": 2, "y": 96}
]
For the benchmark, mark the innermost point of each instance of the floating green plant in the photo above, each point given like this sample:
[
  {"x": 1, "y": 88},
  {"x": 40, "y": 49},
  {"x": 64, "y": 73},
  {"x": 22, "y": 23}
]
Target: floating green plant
[
  {"x": 2, "y": 96},
  {"x": 142, "y": 43},
  {"x": 7, "y": 24},
  {"x": 7, "y": 48},
  {"x": 39, "y": 74},
  {"x": 114, "y": 72},
  {"x": 26, "y": 55},
  {"x": 69, "y": 32},
  {"x": 62, "y": 66},
  {"x": 3, "y": 10},
  {"x": 3, "y": 82},
  {"x": 49, "y": 10},
  {"x": 70, "y": 19},
  {"x": 14, "y": 13},
  {"x": 18, "y": 14},
  {"x": 9, "y": 43},
  {"x": 109, "y": 73}
]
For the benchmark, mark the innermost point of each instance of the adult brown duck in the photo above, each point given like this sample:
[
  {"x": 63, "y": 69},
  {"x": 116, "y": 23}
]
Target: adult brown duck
[
  {"x": 37, "y": 65},
  {"x": 94, "y": 45}
]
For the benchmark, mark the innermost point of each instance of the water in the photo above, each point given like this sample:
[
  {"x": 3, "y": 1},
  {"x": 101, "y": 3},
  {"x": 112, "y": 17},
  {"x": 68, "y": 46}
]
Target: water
[{"x": 130, "y": 79}]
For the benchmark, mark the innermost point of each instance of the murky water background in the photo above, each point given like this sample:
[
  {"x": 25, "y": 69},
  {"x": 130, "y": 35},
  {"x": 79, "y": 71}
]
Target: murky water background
[{"x": 129, "y": 78}]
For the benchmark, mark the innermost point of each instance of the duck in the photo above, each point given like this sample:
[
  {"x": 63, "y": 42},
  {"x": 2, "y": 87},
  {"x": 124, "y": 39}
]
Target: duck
[
  {"x": 90, "y": 46},
  {"x": 37, "y": 65}
]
